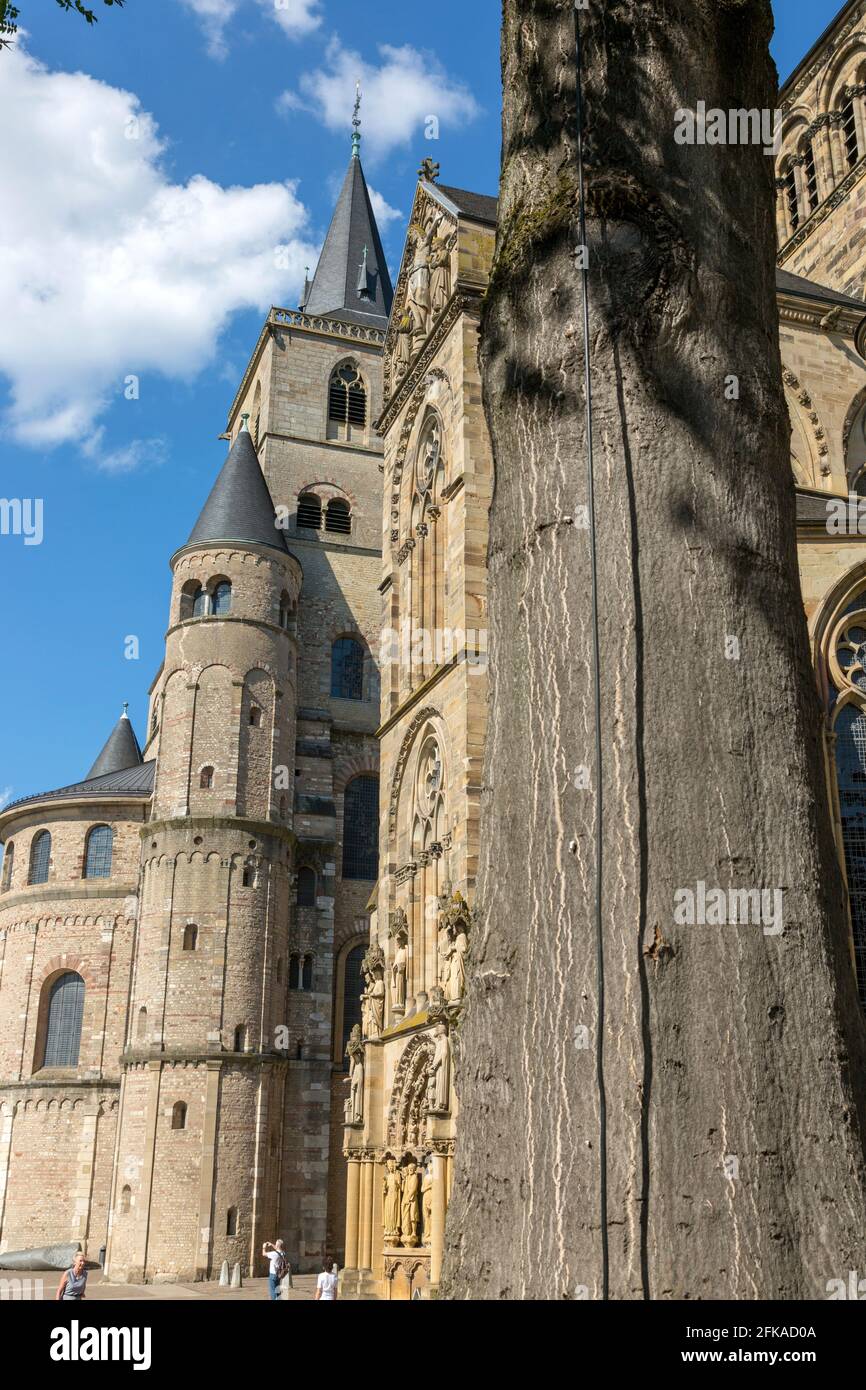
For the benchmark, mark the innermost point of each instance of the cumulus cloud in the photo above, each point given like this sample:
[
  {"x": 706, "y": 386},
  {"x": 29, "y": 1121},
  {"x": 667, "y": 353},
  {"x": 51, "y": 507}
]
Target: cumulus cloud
[
  {"x": 295, "y": 17},
  {"x": 108, "y": 269},
  {"x": 385, "y": 214},
  {"x": 5, "y": 796},
  {"x": 400, "y": 94},
  {"x": 137, "y": 454}
]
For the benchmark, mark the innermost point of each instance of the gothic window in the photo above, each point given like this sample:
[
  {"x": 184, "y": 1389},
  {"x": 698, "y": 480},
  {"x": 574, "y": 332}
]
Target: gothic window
[
  {"x": 191, "y": 600},
  {"x": 849, "y": 133},
  {"x": 40, "y": 857},
  {"x": 190, "y": 937},
  {"x": 97, "y": 856},
  {"x": 347, "y": 669},
  {"x": 307, "y": 973},
  {"x": 347, "y": 402},
  {"x": 847, "y": 671},
  {"x": 352, "y": 985},
  {"x": 178, "y": 1115},
  {"x": 8, "y": 862},
  {"x": 205, "y": 779},
  {"x": 255, "y": 716},
  {"x": 306, "y": 887},
  {"x": 361, "y": 828},
  {"x": 338, "y": 517},
  {"x": 285, "y": 609},
  {"x": 221, "y": 599},
  {"x": 310, "y": 511},
  {"x": 63, "y": 1023}
]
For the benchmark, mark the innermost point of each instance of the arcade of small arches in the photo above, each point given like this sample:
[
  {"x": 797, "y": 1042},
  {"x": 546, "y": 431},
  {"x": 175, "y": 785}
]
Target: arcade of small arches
[{"x": 820, "y": 148}]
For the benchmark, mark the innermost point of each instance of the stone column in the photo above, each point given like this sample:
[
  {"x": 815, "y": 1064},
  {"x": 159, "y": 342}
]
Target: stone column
[
  {"x": 352, "y": 1201},
  {"x": 365, "y": 1243},
  {"x": 437, "y": 1225}
]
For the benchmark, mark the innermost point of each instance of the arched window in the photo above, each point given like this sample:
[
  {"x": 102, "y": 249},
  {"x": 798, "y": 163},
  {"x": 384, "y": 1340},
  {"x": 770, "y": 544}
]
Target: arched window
[
  {"x": 352, "y": 989},
  {"x": 338, "y": 517},
  {"x": 347, "y": 402},
  {"x": 347, "y": 669},
  {"x": 178, "y": 1115},
  {"x": 190, "y": 597},
  {"x": 40, "y": 857},
  {"x": 232, "y": 1221},
  {"x": 361, "y": 828},
  {"x": 255, "y": 716},
  {"x": 306, "y": 886},
  {"x": 125, "y": 1199},
  {"x": 241, "y": 1038},
  {"x": 248, "y": 878},
  {"x": 221, "y": 599},
  {"x": 307, "y": 976},
  {"x": 294, "y": 972},
  {"x": 206, "y": 778},
  {"x": 850, "y": 731},
  {"x": 190, "y": 937},
  {"x": 810, "y": 175},
  {"x": 199, "y": 604},
  {"x": 849, "y": 132},
  {"x": 63, "y": 1023},
  {"x": 141, "y": 1025},
  {"x": 285, "y": 609},
  {"x": 310, "y": 511},
  {"x": 8, "y": 863},
  {"x": 791, "y": 200},
  {"x": 154, "y": 721},
  {"x": 97, "y": 857}
]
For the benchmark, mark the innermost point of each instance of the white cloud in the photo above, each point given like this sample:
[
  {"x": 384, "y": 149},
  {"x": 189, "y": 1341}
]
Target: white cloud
[
  {"x": 399, "y": 95},
  {"x": 108, "y": 269},
  {"x": 385, "y": 214},
  {"x": 5, "y": 796},
  {"x": 295, "y": 17},
  {"x": 138, "y": 453}
]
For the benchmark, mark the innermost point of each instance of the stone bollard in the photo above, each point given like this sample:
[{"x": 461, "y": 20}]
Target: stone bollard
[
  {"x": 224, "y": 1275},
  {"x": 286, "y": 1284},
  {"x": 237, "y": 1280}
]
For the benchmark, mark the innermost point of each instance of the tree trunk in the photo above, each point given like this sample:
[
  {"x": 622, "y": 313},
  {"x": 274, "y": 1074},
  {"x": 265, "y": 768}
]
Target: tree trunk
[{"x": 734, "y": 1058}]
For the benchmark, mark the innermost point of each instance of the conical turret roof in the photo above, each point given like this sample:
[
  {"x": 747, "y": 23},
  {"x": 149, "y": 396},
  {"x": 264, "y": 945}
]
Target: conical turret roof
[
  {"x": 240, "y": 506},
  {"x": 120, "y": 750}
]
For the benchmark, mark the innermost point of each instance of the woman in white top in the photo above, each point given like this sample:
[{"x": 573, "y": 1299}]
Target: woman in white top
[{"x": 326, "y": 1284}]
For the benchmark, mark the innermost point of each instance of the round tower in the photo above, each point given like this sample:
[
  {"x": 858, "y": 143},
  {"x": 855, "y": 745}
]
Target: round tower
[{"x": 198, "y": 1170}]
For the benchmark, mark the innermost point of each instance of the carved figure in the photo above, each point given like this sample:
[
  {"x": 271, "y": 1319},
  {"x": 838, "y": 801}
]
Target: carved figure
[
  {"x": 440, "y": 1068},
  {"x": 392, "y": 1190},
  {"x": 410, "y": 1207}
]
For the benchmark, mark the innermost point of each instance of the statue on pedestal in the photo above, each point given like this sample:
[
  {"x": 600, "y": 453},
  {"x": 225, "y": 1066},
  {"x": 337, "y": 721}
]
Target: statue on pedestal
[
  {"x": 354, "y": 1107},
  {"x": 427, "y": 1202},
  {"x": 399, "y": 932},
  {"x": 392, "y": 1191},
  {"x": 410, "y": 1208},
  {"x": 440, "y": 1070}
]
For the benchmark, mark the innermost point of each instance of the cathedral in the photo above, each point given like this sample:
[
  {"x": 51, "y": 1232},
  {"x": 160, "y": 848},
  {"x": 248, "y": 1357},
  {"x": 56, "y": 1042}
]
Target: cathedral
[{"x": 232, "y": 960}]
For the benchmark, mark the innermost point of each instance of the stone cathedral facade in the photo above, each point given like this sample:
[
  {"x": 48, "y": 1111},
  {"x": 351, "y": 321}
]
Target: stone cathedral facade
[{"x": 232, "y": 962}]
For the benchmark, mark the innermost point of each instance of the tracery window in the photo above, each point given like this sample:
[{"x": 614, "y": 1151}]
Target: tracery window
[
  {"x": 347, "y": 402},
  {"x": 847, "y": 671}
]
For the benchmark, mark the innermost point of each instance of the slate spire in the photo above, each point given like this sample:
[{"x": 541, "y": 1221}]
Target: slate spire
[
  {"x": 240, "y": 506},
  {"x": 351, "y": 280},
  {"x": 120, "y": 750}
]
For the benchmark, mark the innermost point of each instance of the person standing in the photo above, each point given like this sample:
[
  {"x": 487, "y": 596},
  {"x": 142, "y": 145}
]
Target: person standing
[
  {"x": 74, "y": 1281},
  {"x": 326, "y": 1284},
  {"x": 279, "y": 1266}
]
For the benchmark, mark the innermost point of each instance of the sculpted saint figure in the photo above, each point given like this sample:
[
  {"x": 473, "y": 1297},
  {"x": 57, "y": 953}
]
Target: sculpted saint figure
[
  {"x": 419, "y": 283},
  {"x": 457, "y": 966},
  {"x": 398, "y": 975},
  {"x": 392, "y": 1188},
  {"x": 376, "y": 1009},
  {"x": 427, "y": 1201},
  {"x": 440, "y": 278},
  {"x": 404, "y": 343},
  {"x": 355, "y": 1104},
  {"x": 410, "y": 1209},
  {"x": 440, "y": 1068}
]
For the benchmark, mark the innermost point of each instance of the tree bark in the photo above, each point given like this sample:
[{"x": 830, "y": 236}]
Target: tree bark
[{"x": 734, "y": 1059}]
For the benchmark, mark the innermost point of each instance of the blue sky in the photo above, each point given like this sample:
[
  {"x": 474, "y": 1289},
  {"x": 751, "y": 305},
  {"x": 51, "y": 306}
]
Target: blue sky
[{"x": 150, "y": 158}]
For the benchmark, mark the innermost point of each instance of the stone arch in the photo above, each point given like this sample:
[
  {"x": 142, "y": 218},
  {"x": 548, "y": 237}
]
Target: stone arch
[
  {"x": 408, "y": 1101},
  {"x": 810, "y": 452},
  {"x": 429, "y": 714}
]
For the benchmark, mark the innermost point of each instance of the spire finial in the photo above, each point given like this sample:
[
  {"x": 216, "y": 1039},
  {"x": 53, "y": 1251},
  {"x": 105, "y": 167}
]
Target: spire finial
[
  {"x": 124, "y": 714},
  {"x": 356, "y": 122},
  {"x": 245, "y": 421}
]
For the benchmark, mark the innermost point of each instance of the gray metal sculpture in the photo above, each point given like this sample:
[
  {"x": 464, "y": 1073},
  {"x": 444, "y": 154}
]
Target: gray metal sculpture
[{"x": 44, "y": 1257}]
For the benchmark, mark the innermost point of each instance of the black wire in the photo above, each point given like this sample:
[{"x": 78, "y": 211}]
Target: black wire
[{"x": 596, "y": 676}]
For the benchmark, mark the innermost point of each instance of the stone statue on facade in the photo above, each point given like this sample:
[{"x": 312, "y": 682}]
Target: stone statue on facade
[
  {"x": 455, "y": 921},
  {"x": 440, "y": 275},
  {"x": 419, "y": 282},
  {"x": 392, "y": 1189},
  {"x": 440, "y": 1070},
  {"x": 399, "y": 932},
  {"x": 427, "y": 1202},
  {"x": 403, "y": 355},
  {"x": 410, "y": 1206},
  {"x": 373, "y": 997},
  {"x": 354, "y": 1106}
]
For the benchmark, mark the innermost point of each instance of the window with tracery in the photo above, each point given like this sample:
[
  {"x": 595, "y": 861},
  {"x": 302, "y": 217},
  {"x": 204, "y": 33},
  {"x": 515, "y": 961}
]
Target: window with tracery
[
  {"x": 426, "y": 570},
  {"x": 347, "y": 403},
  {"x": 847, "y": 671}
]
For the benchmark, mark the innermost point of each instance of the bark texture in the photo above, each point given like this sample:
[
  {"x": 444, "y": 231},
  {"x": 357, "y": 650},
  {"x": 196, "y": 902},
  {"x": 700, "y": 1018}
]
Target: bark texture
[{"x": 734, "y": 1060}]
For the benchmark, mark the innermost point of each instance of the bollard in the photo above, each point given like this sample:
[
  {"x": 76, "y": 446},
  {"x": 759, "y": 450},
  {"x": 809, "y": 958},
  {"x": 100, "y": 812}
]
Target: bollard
[
  {"x": 224, "y": 1275},
  {"x": 237, "y": 1280}
]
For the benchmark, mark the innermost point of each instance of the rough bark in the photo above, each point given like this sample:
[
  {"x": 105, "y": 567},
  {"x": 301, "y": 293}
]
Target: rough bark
[{"x": 721, "y": 1042}]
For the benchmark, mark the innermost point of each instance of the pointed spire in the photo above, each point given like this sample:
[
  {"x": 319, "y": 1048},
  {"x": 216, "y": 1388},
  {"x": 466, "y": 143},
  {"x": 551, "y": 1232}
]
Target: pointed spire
[
  {"x": 356, "y": 123},
  {"x": 119, "y": 751},
  {"x": 338, "y": 291},
  {"x": 240, "y": 506}
]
